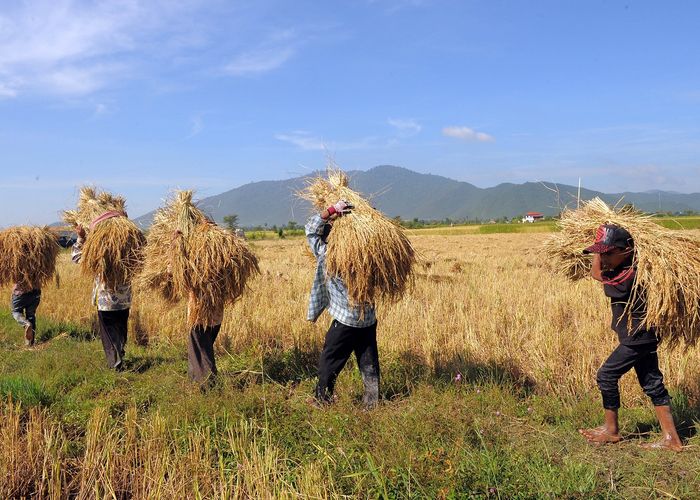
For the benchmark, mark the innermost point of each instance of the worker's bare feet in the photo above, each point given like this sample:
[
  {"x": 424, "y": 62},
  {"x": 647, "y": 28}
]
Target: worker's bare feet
[
  {"x": 600, "y": 435},
  {"x": 28, "y": 336},
  {"x": 667, "y": 443}
]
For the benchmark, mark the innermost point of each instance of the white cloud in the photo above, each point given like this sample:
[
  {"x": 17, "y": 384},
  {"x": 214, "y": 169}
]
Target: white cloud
[
  {"x": 100, "y": 109},
  {"x": 69, "y": 47},
  {"x": 308, "y": 142},
  {"x": 259, "y": 61},
  {"x": 466, "y": 134},
  {"x": 7, "y": 90},
  {"x": 405, "y": 126},
  {"x": 267, "y": 56},
  {"x": 79, "y": 80},
  {"x": 196, "y": 127},
  {"x": 303, "y": 140}
]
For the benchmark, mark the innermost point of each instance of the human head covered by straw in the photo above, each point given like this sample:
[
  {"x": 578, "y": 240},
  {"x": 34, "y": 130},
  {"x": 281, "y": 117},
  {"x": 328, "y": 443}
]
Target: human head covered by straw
[
  {"x": 667, "y": 262},
  {"x": 370, "y": 252},
  {"x": 28, "y": 256},
  {"x": 189, "y": 256},
  {"x": 113, "y": 250}
]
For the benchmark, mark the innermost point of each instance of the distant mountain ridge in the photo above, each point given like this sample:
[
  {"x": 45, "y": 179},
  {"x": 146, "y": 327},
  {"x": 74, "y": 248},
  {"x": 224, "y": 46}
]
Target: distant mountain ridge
[{"x": 397, "y": 191}]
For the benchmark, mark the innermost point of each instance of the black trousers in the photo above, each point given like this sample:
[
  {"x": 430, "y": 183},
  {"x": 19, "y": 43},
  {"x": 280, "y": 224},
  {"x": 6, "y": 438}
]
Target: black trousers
[
  {"x": 341, "y": 342},
  {"x": 645, "y": 361},
  {"x": 24, "y": 307},
  {"x": 113, "y": 330},
  {"x": 200, "y": 353}
]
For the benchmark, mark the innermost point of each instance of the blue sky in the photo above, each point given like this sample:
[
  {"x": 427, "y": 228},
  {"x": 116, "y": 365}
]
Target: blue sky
[{"x": 144, "y": 97}]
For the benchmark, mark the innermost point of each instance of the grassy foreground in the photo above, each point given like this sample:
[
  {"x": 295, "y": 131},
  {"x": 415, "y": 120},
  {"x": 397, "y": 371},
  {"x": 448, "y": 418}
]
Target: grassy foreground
[
  {"x": 526, "y": 342},
  {"x": 69, "y": 426}
]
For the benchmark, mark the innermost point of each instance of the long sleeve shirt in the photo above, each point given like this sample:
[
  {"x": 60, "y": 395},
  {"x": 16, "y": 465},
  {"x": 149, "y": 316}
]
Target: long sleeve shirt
[
  {"x": 104, "y": 298},
  {"x": 329, "y": 292}
]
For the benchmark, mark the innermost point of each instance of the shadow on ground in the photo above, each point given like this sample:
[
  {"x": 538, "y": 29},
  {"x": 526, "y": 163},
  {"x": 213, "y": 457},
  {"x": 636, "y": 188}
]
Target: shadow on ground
[{"x": 400, "y": 373}]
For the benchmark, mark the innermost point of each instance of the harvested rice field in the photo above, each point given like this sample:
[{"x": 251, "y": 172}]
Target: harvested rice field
[{"x": 488, "y": 368}]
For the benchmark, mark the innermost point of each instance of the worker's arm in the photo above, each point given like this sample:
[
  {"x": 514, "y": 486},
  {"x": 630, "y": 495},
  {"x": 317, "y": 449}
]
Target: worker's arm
[
  {"x": 314, "y": 232},
  {"x": 314, "y": 226}
]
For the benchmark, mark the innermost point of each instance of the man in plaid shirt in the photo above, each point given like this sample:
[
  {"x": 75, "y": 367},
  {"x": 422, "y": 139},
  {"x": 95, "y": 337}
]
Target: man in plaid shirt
[{"x": 354, "y": 327}]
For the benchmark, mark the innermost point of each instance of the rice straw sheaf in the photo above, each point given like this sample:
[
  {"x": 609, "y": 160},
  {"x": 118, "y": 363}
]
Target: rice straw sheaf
[
  {"x": 668, "y": 265},
  {"x": 188, "y": 255},
  {"x": 368, "y": 251},
  {"x": 113, "y": 251},
  {"x": 28, "y": 256},
  {"x": 91, "y": 204}
]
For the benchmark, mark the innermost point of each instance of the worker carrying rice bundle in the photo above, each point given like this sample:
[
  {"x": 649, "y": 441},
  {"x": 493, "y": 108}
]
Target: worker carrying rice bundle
[
  {"x": 27, "y": 261},
  {"x": 652, "y": 277},
  {"x": 362, "y": 257},
  {"x": 189, "y": 257},
  {"x": 110, "y": 249}
]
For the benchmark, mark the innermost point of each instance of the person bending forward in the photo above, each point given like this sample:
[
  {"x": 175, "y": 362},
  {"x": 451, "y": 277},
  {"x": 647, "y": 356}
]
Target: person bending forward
[{"x": 614, "y": 266}]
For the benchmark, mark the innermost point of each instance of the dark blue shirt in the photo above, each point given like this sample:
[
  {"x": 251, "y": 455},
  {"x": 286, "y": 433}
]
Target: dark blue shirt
[{"x": 630, "y": 328}]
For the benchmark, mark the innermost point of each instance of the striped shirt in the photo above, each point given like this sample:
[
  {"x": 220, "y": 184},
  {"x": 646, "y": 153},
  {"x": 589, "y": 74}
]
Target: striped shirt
[{"x": 330, "y": 292}]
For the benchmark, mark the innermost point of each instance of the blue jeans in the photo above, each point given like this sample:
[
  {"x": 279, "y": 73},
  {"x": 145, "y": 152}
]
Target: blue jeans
[{"x": 24, "y": 307}]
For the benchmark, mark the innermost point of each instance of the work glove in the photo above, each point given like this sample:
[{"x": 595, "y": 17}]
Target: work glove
[{"x": 341, "y": 208}]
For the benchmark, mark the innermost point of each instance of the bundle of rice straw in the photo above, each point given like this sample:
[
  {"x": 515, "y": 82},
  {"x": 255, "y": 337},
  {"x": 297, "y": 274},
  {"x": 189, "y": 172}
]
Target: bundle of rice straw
[
  {"x": 28, "y": 256},
  {"x": 368, "y": 251},
  {"x": 668, "y": 265},
  {"x": 113, "y": 250},
  {"x": 189, "y": 255},
  {"x": 91, "y": 204}
]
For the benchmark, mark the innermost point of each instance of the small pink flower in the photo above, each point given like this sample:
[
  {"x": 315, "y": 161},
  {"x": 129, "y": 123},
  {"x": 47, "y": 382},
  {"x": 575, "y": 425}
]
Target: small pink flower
[
  {"x": 478, "y": 391},
  {"x": 498, "y": 413},
  {"x": 458, "y": 377},
  {"x": 529, "y": 409}
]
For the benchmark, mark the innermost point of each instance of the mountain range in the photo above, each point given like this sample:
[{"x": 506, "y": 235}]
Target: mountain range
[{"x": 397, "y": 191}]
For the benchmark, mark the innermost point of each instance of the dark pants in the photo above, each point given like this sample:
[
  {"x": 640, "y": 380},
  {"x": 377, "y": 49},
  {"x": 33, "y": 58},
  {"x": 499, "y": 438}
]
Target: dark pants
[
  {"x": 645, "y": 361},
  {"x": 24, "y": 307},
  {"x": 341, "y": 342},
  {"x": 113, "y": 330},
  {"x": 200, "y": 353}
]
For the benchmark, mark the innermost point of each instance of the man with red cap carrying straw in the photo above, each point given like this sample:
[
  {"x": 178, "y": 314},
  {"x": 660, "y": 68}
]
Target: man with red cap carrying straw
[
  {"x": 112, "y": 305},
  {"x": 614, "y": 265}
]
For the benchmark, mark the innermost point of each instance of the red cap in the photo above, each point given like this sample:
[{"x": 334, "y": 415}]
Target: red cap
[{"x": 609, "y": 237}]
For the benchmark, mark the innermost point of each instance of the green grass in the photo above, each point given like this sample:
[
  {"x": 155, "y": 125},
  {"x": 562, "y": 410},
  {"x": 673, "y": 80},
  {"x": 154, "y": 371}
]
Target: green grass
[
  {"x": 490, "y": 436},
  {"x": 536, "y": 227},
  {"x": 686, "y": 222},
  {"x": 274, "y": 235},
  {"x": 679, "y": 222}
]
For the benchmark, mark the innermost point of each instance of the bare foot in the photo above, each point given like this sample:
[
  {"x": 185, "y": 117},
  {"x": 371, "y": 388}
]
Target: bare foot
[
  {"x": 667, "y": 444},
  {"x": 28, "y": 336},
  {"x": 600, "y": 435}
]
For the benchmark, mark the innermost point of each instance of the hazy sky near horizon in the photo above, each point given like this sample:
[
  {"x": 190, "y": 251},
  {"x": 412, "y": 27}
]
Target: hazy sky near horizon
[{"x": 142, "y": 97}]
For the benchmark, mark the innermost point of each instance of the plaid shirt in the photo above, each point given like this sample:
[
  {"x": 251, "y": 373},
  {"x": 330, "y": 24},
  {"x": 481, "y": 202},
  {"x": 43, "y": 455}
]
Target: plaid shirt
[
  {"x": 103, "y": 298},
  {"x": 331, "y": 292}
]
